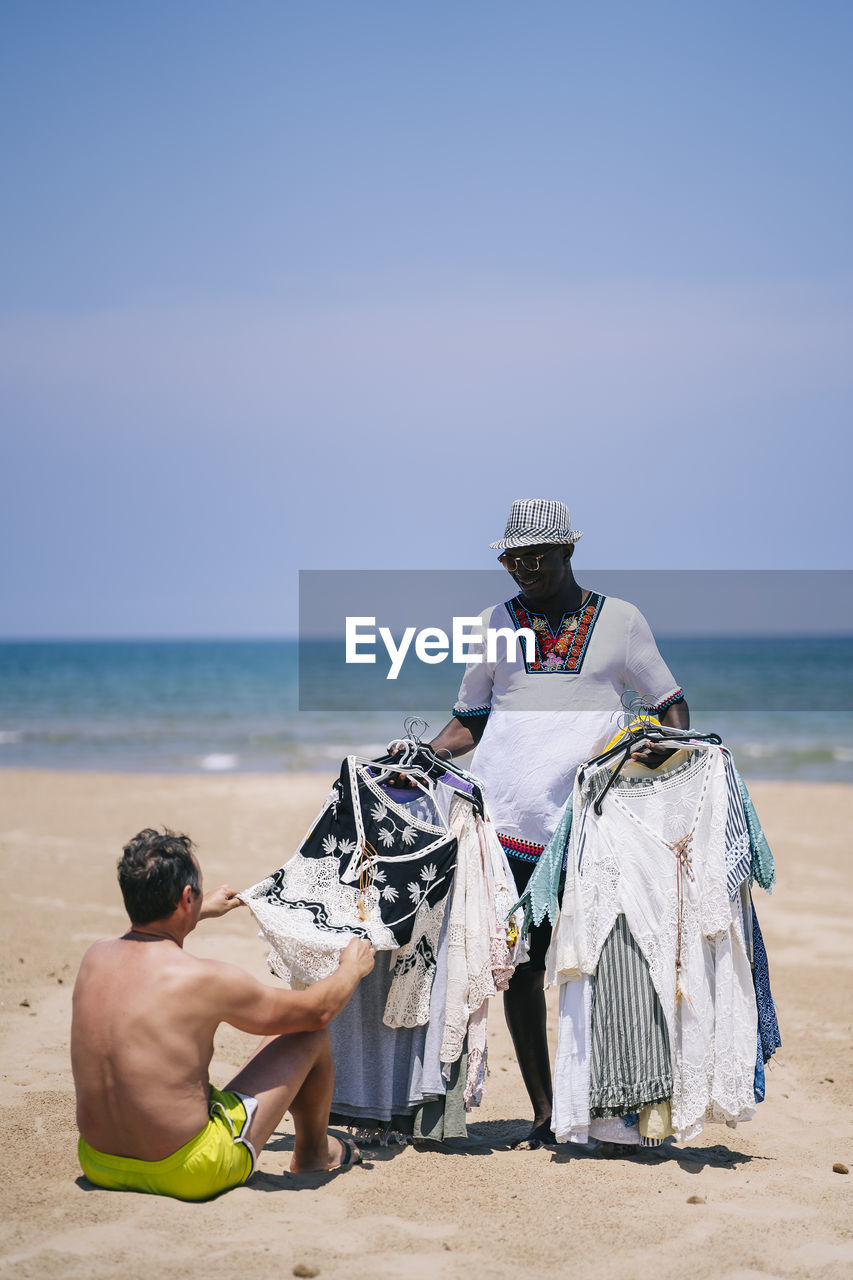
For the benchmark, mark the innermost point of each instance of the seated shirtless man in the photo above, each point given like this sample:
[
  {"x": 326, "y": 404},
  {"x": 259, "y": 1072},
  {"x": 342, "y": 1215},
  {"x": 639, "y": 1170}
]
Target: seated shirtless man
[{"x": 145, "y": 1014}]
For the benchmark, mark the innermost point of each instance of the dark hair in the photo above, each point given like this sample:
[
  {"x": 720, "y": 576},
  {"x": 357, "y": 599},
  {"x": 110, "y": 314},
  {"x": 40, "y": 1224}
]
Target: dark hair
[{"x": 153, "y": 872}]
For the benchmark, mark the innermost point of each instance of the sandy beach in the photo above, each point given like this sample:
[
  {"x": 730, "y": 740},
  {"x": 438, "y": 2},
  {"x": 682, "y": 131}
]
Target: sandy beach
[{"x": 759, "y": 1201}]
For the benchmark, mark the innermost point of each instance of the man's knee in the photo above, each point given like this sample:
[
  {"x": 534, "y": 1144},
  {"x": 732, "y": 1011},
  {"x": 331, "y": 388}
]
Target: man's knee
[
  {"x": 322, "y": 1040},
  {"x": 317, "y": 1043},
  {"x": 524, "y": 981}
]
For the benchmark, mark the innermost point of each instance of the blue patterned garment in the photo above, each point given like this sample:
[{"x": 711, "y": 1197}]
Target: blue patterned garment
[
  {"x": 768, "y": 1026},
  {"x": 758, "y": 1083},
  {"x": 763, "y": 862}
]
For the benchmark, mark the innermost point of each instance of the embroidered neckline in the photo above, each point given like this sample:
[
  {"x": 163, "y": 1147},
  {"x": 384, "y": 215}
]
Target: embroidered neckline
[
  {"x": 401, "y": 810},
  {"x": 562, "y": 651},
  {"x": 542, "y": 617}
]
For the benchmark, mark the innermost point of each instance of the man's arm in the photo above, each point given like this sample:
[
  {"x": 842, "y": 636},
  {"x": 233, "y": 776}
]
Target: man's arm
[
  {"x": 652, "y": 753},
  {"x": 461, "y": 734},
  {"x": 254, "y": 1007},
  {"x": 459, "y": 738},
  {"x": 677, "y": 716},
  {"x": 455, "y": 739}
]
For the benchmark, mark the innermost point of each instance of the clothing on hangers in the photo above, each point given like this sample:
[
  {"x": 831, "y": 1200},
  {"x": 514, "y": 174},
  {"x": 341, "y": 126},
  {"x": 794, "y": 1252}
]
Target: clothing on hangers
[
  {"x": 378, "y": 864},
  {"x": 748, "y": 855},
  {"x": 480, "y": 959},
  {"x": 411, "y": 1045},
  {"x": 652, "y": 867}
]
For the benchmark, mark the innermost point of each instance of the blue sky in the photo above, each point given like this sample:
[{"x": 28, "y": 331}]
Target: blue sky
[{"x": 328, "y": 285}]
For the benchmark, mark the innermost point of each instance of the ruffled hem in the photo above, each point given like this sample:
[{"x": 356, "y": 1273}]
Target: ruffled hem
[{"x": 622, "y": 1100}]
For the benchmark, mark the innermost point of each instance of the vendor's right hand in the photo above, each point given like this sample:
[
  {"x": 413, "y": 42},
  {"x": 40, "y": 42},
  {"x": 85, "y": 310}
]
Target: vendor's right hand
[{"x": 358, "y": 955}]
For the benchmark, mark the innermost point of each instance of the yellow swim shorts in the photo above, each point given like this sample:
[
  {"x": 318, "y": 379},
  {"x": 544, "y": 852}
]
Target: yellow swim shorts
[{"x": 219, "y": 1157}]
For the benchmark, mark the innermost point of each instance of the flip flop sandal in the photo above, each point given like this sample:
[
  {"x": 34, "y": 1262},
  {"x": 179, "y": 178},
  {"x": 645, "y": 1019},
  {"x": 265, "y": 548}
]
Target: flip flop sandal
[{"x": 352, "y": 1156}]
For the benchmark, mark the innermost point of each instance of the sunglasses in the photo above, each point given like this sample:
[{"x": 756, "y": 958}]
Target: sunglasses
[{"x": 530, "y": 563}]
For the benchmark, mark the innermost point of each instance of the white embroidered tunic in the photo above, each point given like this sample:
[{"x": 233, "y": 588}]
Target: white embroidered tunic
[{"x": 545, "y": 716}]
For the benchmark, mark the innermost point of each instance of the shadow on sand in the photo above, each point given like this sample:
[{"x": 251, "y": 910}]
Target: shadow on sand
[
  {"x": 282, "y": 1143},
  {"x": 495, "y": 1135},
  {"x": 690, "y": 1159},
  {"x": 483, "y": 1139}
]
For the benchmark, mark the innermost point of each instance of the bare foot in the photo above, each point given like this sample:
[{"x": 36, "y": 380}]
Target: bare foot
[
  {"x": 541, "y": 1135},
  {"x": 340, "y": 1153}
]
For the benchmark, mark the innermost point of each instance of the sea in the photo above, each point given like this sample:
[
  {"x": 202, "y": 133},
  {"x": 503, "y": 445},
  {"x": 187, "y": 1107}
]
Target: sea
[{"x": 784, "y": 704}]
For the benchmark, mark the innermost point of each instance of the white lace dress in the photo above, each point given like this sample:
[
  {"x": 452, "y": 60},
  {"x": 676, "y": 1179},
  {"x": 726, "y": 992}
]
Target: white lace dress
[{"x": 479, "y": 960}]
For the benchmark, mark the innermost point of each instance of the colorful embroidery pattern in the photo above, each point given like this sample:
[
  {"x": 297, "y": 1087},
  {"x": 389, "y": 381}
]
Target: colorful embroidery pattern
[
  {"x": 678, "y": 696},
  {"x": 564, "y": 650},
  {"x": 524, "y": 849}
]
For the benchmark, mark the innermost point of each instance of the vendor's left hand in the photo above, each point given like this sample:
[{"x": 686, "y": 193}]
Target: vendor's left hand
[{"x": 652, "y": 754}]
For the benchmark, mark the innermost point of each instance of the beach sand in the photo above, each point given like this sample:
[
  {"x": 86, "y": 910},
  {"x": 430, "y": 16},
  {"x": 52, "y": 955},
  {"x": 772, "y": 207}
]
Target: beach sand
[{"x": 760, "y": 1200}]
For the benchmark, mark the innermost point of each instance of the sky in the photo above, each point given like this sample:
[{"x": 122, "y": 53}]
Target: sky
[{"x": 327, "y": 285}]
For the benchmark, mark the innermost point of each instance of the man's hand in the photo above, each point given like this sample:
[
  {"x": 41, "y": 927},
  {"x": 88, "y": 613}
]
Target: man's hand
[
  {"x": 396, "y": 748},
  {"x": 219, "y": 902},
  {"x": 358, "y": 956},
  {"x": 454, "y": 739},
  {"x": 652, "y": 754}
]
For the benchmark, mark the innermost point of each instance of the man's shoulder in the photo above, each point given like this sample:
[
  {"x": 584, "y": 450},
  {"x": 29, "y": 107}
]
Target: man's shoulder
[
  {"x": 215, "y": 975},
  {"x": 616, "y": 602},
  {"x": 99, "y": 954},
  {"x": 102, "y": 948},
  {"x": 200, "y": 969},
  {"x": 169, "y": 961},
  {"x": 617, "y": 608},
  {"x": 214, "y": 988},
  {"x": 496, "y": 614}
]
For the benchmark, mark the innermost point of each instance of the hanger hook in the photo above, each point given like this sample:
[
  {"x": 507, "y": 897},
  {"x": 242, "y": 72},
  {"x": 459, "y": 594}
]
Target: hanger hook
[{"x": 413, "y": 727}]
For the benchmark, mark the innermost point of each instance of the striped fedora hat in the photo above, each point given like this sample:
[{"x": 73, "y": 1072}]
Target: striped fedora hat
[{"x": 535, "y": 520}]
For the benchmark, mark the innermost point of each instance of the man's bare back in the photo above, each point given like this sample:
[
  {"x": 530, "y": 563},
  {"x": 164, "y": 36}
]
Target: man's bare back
[{"x": 145, "y": 1013}]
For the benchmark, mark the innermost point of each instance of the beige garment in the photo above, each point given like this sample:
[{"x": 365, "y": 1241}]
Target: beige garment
[
  {"x": 469, "y": 971},
  {"x": 656, "y": 1121},
  {"x": 479, "y": 961}
]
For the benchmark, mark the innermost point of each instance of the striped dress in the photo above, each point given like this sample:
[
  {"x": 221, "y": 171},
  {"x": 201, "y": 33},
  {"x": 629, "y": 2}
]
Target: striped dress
[{"x": 630, "y": 1063}]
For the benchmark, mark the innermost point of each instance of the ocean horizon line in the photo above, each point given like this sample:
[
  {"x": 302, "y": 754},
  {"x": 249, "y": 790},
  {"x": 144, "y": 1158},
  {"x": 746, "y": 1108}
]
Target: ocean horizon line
[{"x": 787, "y": 634}]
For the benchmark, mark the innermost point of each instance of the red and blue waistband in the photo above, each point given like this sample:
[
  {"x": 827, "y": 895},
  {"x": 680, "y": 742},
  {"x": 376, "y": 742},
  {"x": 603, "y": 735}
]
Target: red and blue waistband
[{"x": 526, "y": 850}]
